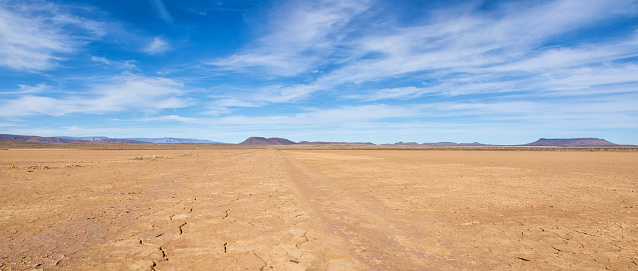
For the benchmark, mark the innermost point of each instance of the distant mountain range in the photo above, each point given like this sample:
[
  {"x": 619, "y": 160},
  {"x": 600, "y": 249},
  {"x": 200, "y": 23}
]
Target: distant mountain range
[
  {"x": 334, "y": 143},
  {"x": 99, "y": 139},
  {"x": 543, "y": 142},
  {"x": 38, "y": 139},
  {"x": 283, "y": 141},
  {"x": 168, "y": 140},
  {"x": 558, "y": 142},
  {"x": 437, "y": 144},
  {"x": 142, "y": 139}
]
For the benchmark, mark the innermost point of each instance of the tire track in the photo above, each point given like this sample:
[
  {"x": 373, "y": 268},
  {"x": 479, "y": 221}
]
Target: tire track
[{"x": 374, "y": 235}]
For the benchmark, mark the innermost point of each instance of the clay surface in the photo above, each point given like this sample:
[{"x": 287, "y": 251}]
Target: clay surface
[{"x": 279, "y": 209}]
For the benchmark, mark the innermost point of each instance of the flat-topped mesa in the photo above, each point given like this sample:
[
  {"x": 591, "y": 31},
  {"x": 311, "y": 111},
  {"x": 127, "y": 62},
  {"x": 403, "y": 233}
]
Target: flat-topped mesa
[
  {"x": 570, "y": 142},
  {"x": 267, "y": 141}
]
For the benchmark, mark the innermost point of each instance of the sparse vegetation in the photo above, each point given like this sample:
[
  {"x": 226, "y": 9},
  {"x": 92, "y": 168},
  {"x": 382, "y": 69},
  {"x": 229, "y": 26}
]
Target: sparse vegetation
[
  {"x": 187, "y": 154},
  {"x": 34, "y": 167},
  {"x": 152, "y": 157}
]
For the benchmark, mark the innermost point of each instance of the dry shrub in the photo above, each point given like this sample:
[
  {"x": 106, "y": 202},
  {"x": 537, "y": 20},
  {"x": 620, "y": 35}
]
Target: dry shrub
[
  {"x": 152, "y": 157},
  {"x": 34, "y": 167}
]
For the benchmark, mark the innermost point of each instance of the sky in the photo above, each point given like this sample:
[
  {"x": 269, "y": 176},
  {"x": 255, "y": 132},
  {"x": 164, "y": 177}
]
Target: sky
[{"x": 495, "y": 72}]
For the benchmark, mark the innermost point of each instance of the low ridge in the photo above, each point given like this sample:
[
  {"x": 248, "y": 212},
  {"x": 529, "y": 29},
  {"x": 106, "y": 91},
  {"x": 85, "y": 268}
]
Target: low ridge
[
  {"x": 334, "y": 143},
  {"x": 569, "y": 142},
  {"x": 119, "y": 141},
  {"x": 38, "y": 139}
]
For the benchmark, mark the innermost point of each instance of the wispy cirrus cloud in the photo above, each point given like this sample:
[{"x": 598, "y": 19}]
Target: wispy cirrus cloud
[
  {"x": 326, "y": 117},
  {"x": 118, "y": 64},
  {"x": 475, "y": 44},
  {"x": 166, "y": 118},
  {"x": 36, "y": 35},
  {"x": 117, "y": 94},
  {"x": 453, "y": 51},
  {"x": 27, "y": 89},
  {"x": 530, "y": 117},
  {"x": 300, "y": 35},
  {"x": 401, "y": 93},
  {"x": 157, "y": 46},
  {"x": 161, "y": 9}
]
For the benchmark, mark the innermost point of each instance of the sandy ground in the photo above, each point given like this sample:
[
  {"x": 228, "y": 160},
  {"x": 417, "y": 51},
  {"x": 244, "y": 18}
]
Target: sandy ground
[{"x": 273, "y": 209}]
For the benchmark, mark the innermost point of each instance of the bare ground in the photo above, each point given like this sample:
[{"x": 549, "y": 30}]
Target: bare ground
[{"x": 274, "y": 209}]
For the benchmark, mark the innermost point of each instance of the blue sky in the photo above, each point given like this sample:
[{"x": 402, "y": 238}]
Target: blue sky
[{"x": 499, "y": 72}]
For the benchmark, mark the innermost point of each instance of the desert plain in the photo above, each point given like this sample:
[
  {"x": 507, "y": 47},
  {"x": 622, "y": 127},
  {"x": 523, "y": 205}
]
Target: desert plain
[{"x": 313, "y": 209}]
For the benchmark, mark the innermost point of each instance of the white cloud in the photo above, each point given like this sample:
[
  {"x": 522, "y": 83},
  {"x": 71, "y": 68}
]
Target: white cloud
[
  {"x": 403, "y": 93},
  {"x": 8, "y": 124},
  {"x": 26, "y": 89},
  {"x": 226, "y": 106},
  {"x": 163, "y": 11},
  {"x": 167, "y": 118},
  {"x": 120, "y": 64},
  {"x": 457, "y": 53},
  {"x": 566, "y": 113},
  {"x": 69, "y": 131},
  {"x": 234, "y": 103},
  {"x": 471, "y": 42},
  {"x": 157, "y": 46},
  {"x": 302, "y": 34},
  {"x": 35, "y": 36},
  {"x": 316, "y": 117},
  {"x": 283, "y": 94},
  {"x": 253, "y": 97},
  {"x": 122, "y": 93}
]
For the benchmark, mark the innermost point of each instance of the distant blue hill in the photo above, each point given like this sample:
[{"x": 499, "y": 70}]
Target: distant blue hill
[
  {"x": 165, "y": 140},
  {"x": 174, "y": 140},
  {"x": 88, "y": 138}
]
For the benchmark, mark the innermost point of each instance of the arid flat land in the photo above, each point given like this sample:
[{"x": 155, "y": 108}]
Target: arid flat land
[{"x": 286, "y": 209}]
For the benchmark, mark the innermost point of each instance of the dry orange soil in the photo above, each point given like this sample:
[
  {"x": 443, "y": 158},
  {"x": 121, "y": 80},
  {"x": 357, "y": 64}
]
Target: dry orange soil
[{"x": 263, "y": 209}]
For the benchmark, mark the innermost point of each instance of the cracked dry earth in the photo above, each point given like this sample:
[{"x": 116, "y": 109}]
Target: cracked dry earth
[{"x": 272, "y": 209}]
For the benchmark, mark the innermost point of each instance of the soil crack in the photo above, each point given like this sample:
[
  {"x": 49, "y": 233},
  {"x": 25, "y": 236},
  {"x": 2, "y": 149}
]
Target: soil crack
[
  {"x": 180, "y": 227},
  {"x": 265, "y": 263},
  {"x": 306, "y": 237}
]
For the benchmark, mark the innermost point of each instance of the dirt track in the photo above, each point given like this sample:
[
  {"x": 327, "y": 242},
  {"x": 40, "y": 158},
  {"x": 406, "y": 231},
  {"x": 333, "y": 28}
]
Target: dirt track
[{"x": 268, "y": 209}]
